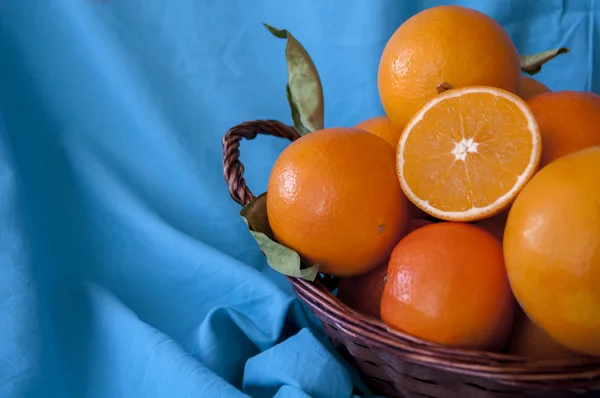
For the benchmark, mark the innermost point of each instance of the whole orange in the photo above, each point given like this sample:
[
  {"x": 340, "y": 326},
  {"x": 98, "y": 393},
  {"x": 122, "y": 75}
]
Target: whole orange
[
  {"x": 531, "y": 87},
  {"x": 552, "y": 250},
  {"x": 530, "y": 341},
  {"x": 568, "y": 122},
  {"x": 418, "y": 223},
  {"x": 447, "y": 284},
  {"x": 495, "y": 224},
  {"x": 333, "y": 197},
  {"x": 381, "y": 126},
  {"x": 363, "y": 292},
  {"x": 444, "y": 44}
]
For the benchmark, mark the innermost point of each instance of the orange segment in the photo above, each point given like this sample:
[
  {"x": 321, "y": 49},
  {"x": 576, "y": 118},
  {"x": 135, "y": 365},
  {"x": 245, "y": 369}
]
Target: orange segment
[{"x": 468, "y": 152}]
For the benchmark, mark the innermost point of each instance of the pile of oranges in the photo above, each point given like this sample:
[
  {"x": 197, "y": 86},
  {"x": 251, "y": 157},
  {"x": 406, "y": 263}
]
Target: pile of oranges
[{"x": 469, "y": 214}]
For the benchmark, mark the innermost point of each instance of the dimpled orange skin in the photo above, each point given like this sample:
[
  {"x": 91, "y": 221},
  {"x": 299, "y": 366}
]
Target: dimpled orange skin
[
  {"x": 568, "y": 122},
  {"x": 444, "y": 44},
  {"x": 333, "y": 196},
  {"x": 531, "y": 87},
  {"x": 447, "y": 284},
  {"x": 552, "y": 250}
]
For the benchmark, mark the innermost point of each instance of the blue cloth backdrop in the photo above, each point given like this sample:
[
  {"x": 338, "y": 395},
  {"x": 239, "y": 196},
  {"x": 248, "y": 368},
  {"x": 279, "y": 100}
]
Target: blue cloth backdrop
[{"x": 125, "y": 270}]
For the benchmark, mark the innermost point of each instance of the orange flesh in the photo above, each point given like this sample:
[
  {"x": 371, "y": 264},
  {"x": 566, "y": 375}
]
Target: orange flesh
[{"x": 468, "y": 155}]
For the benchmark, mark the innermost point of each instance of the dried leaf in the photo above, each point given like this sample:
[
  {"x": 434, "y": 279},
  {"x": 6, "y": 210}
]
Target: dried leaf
[
  {"x": 279, "y": 257},
  {"x": 532, "y": 64},
  {"x": 255, "y": 213},
  {"x": 304, "y": 90}
]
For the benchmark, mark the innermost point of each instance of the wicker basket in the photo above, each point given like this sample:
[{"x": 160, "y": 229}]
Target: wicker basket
[{"x": 395, "y": 364}]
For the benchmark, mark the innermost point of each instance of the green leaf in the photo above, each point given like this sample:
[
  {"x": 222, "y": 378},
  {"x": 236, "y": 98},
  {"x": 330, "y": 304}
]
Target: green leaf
[
  {"x": 532, "y": 64},
  {"x": 304, "y": 90},
  {"x": 279, "y": 257}
]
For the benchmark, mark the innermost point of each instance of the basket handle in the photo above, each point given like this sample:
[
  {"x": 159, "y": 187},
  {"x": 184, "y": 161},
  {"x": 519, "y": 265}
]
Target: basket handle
[{"x": 233, "y": 169}]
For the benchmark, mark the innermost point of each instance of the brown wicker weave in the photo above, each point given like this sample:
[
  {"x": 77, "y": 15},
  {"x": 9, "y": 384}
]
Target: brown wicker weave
[{"x": 395, "y": 364}]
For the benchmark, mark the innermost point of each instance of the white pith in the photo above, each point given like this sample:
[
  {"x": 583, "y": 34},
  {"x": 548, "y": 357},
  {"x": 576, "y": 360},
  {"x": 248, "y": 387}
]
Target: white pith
[
  {"x": 463, "y": 148},
  {"x": 461, "y": 151}
]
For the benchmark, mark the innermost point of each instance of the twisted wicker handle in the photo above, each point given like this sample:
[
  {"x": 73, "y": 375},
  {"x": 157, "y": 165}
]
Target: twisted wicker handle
[{"x": 233, "y": 169}]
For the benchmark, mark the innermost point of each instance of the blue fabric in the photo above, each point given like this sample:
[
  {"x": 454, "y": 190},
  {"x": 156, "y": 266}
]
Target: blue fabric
[{"x": 125, "y": 270}]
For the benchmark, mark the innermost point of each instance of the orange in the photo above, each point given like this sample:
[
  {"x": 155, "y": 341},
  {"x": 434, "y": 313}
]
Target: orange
[
  {"x": 494, "y": 225},
  {"x": 445, "y": 44},
  {"x": 568, "y": 122},
  {"x": 468, "y": 152},
  {"x": 552, "y": 250},
  {"x": 333, "y": 197},
  {"x": 363, "y": 292},
  {"x": 531, "y": 87},
  {"x": 381, "y": 126},
  {"x": 416, "y": 213},
  {"x": 447, "y": 284},
  {"x": 529, "y": 340},
  {"x": 418, "y": 223}
]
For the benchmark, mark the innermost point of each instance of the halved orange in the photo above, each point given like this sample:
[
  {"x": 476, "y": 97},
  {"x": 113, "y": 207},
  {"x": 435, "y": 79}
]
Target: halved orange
[{"x": 468, "y": 152}]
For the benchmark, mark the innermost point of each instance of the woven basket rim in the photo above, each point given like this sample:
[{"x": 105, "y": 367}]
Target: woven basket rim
[
  {"x": 428, "y": 353},
  {"x": 572, "y": 373}
]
